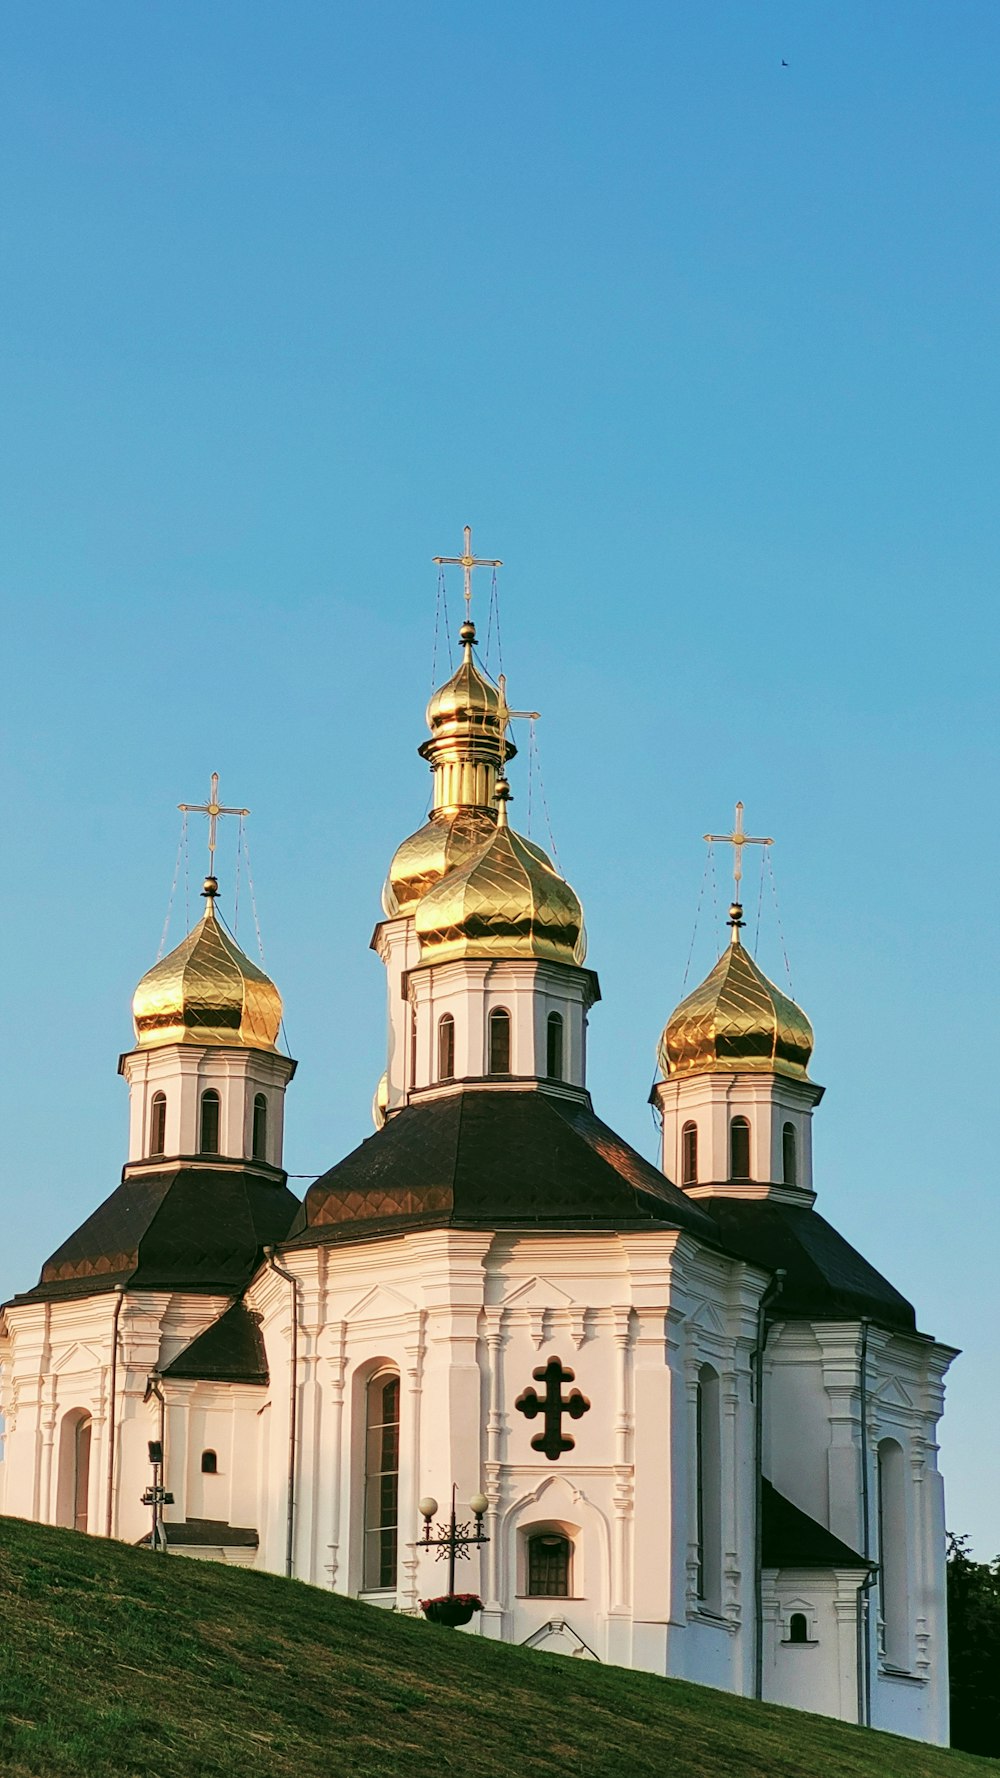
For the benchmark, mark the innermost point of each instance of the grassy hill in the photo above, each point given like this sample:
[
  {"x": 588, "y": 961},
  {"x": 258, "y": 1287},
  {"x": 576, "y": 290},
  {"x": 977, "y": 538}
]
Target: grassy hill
[{"x": 116, "y": 1663}]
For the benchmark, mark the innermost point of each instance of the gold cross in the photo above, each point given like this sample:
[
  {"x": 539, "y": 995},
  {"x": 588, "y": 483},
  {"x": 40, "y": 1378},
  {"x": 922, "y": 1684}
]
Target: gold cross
[
  {"x": 213, "y": 809},
  {"x": 506, "y": 715},
  {"x": 467, "y": 562},
  {"x": 737, "y": 839}
]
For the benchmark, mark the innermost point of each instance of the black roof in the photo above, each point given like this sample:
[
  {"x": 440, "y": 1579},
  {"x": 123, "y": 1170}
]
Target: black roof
[
  {"x": 191, "y": 1534},
  {"x": 231, "y": 1350},
  {"x": 826, "y": 1279},
  {"x": 494, "y": 1159},
  {"x": 791, "y": 1539},
  {"x": 183, "y": 1227}
]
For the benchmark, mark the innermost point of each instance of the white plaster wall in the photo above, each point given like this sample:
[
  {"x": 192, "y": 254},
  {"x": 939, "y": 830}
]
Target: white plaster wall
[
  {"x": 182, "y": 1072},
  {"x": 469, "y": 991},
  {"x": 711, "y": 1101}
]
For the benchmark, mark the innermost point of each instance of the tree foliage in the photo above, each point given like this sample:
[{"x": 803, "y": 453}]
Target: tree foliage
[{"x": 974, "y": 1649}]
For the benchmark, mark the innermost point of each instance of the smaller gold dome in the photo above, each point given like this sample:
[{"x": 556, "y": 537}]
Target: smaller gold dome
[
  {"x": 509, "y": 901},
  {"x": 442, "y": 845},
  {"x": 467, "y": 697},
  {"x": 207, "y": 991},
  {"x": 737, "y": 1022}
]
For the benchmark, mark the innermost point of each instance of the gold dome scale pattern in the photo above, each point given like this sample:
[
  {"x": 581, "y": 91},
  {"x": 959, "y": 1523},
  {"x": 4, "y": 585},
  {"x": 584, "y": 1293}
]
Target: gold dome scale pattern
[
  {"x": 207, "y": 992},
  {"x": 508, "y": 901},
  {"x": 737, "y": 1021}
]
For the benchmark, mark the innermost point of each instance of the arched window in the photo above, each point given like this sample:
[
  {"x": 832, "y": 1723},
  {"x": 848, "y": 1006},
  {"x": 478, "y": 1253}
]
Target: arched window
[
  {"x": 708, "y": 1489},
  {"x": 381, "y": 1480},
  {"x": 549, "y": 1555},
  {"x": 499, "y": 1041},
  {"x": 74, "y": 1470},
  {"x": 554, "y": 1046},
  {"x": 210, "y": 1108},
  {"x": 259, "y": 1127},
  {"x": 892, "y": 1574},
  {"x": 158, "y": 1124},
  {"x": 689, "y": 1154},
  {"x": 209, "y": 1463},
  {"x": 446, "y": 1047},
  {"x": 789, "y": 1156},
  {"x": 798, "y": 1627},
  {"x": 739, "y": 1149}
]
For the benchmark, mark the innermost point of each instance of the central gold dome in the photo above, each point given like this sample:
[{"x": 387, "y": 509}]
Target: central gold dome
[
  {"x": 207, "y": 991},
  {"x": 509, "y": 901},
  {"x": 737, "y": 1022}
]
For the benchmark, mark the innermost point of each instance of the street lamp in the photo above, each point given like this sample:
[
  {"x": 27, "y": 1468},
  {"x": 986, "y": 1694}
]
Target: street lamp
[
  {"x": 157, "y": 1496},
  {"x": 452, "y": 1540}
]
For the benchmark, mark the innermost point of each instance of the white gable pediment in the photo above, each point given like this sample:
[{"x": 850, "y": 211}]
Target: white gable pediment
[
  {"x": 537, "y": 1293},
  {"x": 77, "y": 1357},
  {"x": 380, "y": 1303},
  {"x": 891, "y": 1394},
  {"x": 707, "y": 1316}
]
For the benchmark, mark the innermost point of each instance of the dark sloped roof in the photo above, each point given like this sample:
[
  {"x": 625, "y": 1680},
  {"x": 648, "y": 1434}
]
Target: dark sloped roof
[
  {"x": 183, "y": 1228},
  {"x": 231, "y": 1350},
  {"x": 494, "y": 1159},
  {"x": 826, "y": 1279},
  {"x": 191, "y": 1534},
  {"x": 791, "y": 1539}
]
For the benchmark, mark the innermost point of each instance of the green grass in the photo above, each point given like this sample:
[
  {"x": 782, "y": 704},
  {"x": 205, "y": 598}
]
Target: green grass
[{"x": 116, "y": 1662}]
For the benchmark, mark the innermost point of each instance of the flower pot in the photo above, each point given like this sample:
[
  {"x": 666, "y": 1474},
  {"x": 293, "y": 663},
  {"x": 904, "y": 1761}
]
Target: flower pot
[{"x": 450, "y": 1611}]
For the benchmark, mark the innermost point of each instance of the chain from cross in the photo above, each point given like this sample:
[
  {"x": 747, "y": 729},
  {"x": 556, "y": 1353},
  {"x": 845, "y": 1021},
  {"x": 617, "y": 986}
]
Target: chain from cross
[
  {"x": 553, "y": 1404},
  {"x": 467, "y": 562},
  {"x": 737, "y": 839},
  {"x": 213, "y": 809},
  {"x": 506, "y": 715}
]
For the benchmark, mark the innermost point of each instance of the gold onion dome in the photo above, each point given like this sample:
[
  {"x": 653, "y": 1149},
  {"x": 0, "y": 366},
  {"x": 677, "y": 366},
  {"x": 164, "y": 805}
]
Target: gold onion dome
[
  {"x": 207, "y": 991},
  {"x": 508, "y": 902},
  {"x": 737, "y": 1022}
]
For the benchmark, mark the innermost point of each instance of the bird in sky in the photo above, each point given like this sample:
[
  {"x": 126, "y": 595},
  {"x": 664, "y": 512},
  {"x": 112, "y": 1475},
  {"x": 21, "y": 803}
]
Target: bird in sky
[{"x": 784, "y": 64}]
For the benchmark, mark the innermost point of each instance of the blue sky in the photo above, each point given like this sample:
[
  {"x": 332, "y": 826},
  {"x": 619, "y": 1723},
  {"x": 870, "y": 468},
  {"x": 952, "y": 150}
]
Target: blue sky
[{"x": 704, "y": 348}]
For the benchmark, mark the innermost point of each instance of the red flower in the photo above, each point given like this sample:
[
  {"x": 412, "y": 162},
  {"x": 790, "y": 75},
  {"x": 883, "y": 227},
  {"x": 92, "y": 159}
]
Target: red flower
[{"x": 472, "y": 1599}]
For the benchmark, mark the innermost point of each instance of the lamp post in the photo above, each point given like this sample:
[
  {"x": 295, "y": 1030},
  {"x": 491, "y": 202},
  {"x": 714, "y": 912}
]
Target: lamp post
[
  {"x": 157, "y": 1496},
  {"x": 453, "y": 1540}
]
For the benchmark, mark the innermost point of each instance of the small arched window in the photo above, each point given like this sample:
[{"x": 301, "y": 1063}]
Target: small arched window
[
  {"x": 209, "y": 1463},
  {"x": 210, "y": 1108},
  {"x": 689, "y": 1154},
  {"x": 739, "y": 1149},
  {"x": 554, "y": 1046},
  {"x": 499, "y": 1041},
  {"x": 446, "y": 1047},
  {"x": 259, "y": 1127},
  {"x": 158, "y": 1124},
  {"x": 798, "y": 1627},
  {"x": 789, "y": 1157},
  {"x": 548, "y": 1565},
  {"x": 381, "y": 1480}
]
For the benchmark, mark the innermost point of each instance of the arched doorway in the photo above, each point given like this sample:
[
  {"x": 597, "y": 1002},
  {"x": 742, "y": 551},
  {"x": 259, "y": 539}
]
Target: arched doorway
[{"x": 74, "y": 1470}]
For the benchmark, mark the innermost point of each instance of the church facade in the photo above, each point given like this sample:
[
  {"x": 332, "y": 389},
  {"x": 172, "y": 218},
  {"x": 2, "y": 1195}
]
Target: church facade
[{"x": 700, "y": 1426}]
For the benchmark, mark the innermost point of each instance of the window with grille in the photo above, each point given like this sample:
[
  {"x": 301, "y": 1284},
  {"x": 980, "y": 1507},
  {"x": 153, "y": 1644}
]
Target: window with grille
[
  {"x": 158, "y": 1124},
  {"x": 499, "y": 1041},
  {"x": 549, "y": 1565},
  {"x": 689, "y": 1154},
  {"x": 381, "y": 1480},
  {"x": 211, "y": 1107}
]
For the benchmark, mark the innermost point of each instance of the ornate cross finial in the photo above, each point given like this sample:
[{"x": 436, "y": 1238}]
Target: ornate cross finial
[
  {"x": 467, "y": 561},
  {"x": 553, "y": 1440},
  {"x": 737, "y": 839},
  {"x": 506, "y": 715},
  {"x": 213, "y": 809}
]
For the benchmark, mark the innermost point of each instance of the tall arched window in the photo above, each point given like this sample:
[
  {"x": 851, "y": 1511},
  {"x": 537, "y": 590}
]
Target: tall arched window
[
  {"x": 446, "y": 1047},
  {"x": 499, "y": 1041},
  {"x": 892, "y": 1574},
  {"x": 210, "y": 1108},
  {"x": 739, "y": 1149},
  {"x": 554, "y": 1046},
  {"x": 259, "y": 1127},
  {"x": 381, "y": 1480},
  {"x": 689, "y": 1154},
  {"x": 158, "y": 1124},
  {"x": 789, "y": 1156},
  {"x": 708, "y": 1488},
  {"x": 549, "y": 1554}
]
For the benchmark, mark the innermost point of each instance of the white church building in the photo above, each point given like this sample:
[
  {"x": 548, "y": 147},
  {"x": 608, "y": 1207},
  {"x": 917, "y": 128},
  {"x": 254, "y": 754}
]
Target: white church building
[{"x": 703, "y": 1424}]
